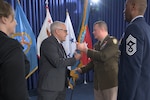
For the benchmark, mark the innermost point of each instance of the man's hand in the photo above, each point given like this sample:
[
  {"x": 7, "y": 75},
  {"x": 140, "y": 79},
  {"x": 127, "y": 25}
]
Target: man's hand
[
  {"x": 78, "y": 70},
  {"x": 77, "y": 55},
  {"x": 82, "y": 46}
]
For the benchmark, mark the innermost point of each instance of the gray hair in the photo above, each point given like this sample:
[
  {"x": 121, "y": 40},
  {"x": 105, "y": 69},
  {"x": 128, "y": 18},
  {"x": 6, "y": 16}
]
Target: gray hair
[
  {"x": 101, "y": 24},
  {"x": 55, "y": 25}
]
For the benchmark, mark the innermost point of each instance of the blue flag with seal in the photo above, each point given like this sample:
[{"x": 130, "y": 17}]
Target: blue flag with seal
[{"x": 26, "y": 37}]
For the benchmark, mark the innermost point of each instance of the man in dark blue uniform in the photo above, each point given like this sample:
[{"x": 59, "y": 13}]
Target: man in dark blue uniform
[{"x": 134, "y": 66}]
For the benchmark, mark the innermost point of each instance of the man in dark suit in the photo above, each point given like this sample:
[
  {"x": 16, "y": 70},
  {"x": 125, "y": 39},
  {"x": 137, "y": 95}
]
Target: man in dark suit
[
  {"x": 53, "y": 64},
  {"x": 134, "y": 66},
  {"x": 104, "y": 61}
]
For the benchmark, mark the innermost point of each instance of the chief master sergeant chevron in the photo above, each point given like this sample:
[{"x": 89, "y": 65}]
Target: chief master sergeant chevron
[{"x": 134, "y": 66}]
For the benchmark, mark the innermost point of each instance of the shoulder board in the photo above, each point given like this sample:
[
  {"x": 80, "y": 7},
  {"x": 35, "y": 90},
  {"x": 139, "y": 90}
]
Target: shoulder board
[{"x": 115, "y": 41}]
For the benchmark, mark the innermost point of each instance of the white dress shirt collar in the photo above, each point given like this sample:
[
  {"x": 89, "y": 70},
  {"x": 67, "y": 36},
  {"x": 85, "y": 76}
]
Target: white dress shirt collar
[{"x": 136, "y": 18}]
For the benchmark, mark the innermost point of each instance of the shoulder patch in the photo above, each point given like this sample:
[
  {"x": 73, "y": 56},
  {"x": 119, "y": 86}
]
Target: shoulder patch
[
  {"x": 131, "y": 45},
  {"x": 115, "y": 41}
]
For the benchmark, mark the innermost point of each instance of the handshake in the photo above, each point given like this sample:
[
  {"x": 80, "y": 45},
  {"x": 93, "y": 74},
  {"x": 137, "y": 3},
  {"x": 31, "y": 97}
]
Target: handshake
[{"x": 81, "y": 47}]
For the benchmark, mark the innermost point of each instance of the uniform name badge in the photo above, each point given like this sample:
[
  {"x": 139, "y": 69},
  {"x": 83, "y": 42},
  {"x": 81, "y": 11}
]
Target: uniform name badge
[{"x": 131, "y": 45}]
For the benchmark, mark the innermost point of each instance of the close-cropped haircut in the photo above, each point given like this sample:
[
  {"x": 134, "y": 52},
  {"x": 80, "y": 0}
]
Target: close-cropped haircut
[
  {"x": 101, "y": 24},
  {"x": 56, "y": 25},
  {"x": 142, "y": 5},
  {"x": 5, "y": 9}
]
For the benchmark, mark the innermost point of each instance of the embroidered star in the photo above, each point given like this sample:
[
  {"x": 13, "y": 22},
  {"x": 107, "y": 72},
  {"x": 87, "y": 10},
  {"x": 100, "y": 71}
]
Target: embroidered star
[
  {"x": 72, "y": 40},
  {"x": 69, "y": 55}
]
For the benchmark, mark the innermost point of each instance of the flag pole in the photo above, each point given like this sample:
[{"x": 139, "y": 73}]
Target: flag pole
[
  {"x": 85, "y": 82},
  {"x": 31, "y": 72},
  {"x": 69, "y": 68},
  {"x": 18, "y": 1},
  {"x": 66, "y": 11},
  {"x": 80, "y": 39},
  {"x": 46, "y": 2}
]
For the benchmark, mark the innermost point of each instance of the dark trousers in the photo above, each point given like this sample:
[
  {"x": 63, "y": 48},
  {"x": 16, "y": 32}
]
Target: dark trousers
[{"x": 51, "y": 95}]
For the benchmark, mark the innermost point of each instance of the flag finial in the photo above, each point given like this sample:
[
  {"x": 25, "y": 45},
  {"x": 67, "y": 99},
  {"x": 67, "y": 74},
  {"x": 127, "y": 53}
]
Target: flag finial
[
  {"x": 66, "y": 11},
  {"x": 46, "y": 2},
  {"x": 18, "y": 1}
]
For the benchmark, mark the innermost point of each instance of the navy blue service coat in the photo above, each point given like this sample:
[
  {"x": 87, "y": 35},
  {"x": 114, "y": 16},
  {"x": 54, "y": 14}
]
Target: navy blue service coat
[{"x": 134, "y": 66}]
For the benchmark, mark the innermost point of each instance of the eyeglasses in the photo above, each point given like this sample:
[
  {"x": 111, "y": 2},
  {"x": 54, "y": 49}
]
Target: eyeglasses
[{"x": 62, "y": 30}]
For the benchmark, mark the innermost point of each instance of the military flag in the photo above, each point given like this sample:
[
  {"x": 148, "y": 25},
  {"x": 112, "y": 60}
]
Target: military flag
[
  {"x": 84, "y": 35},
  {"x": 26, "y": 37},
  {"x": 45, "y": 30},
  {"x": 88, "y": 40},
  {"x": 84, "y": 22},
  {"x": 70, "y": 46},
  {"x": 70, "y": 43}
]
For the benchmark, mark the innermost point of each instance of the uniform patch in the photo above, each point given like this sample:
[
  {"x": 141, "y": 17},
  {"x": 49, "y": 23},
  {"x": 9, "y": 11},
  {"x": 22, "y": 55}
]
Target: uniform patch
[
  {"x": 131, "y": 45},
  {"x": 115, "y": 41}
]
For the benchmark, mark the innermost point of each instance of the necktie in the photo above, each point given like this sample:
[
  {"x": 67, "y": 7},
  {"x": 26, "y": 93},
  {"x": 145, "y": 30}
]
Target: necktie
[
  {"x": 67, "y": 73},
  {"x": 63, "y": 50}
]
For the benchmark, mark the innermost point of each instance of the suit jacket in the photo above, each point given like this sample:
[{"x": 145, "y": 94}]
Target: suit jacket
[
  {"x": 134, "y": 67},
  {"x": 104, "y": 60},
  {"x": 12, "y": 70},
  {"x": 53, "y": 63}
]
